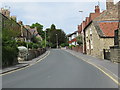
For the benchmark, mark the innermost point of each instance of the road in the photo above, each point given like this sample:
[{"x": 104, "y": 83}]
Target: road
[{"x": 59, "y": 70}]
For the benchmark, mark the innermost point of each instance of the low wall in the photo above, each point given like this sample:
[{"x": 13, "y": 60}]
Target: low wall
[
  {"x": 115, "y": 54},
  {"x": 77, "y": 48},
  {"x": 35, "y": 53}
]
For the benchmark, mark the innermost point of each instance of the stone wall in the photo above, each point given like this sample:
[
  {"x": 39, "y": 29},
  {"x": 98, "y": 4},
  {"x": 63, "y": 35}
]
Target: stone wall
[
  {"x": 115, "y": 54},
  {"x": 35, "y": 53},
  {"x": 95, "y": 44}
]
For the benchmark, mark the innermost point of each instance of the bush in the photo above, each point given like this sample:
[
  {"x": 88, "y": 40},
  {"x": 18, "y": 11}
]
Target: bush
[
  {"x": 72, "y": 46},
  {"x": 21, "y": 43},
  {"x": 30, "y": 44},
  {"x": 35, "y": 46},
  {"x": 64, "y": 44},
  {"x": 9, "y": 54}
]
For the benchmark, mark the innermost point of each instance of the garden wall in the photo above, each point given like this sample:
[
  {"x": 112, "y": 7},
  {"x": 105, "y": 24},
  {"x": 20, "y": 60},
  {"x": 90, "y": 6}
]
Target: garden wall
[{"x": 35, "y": 53}]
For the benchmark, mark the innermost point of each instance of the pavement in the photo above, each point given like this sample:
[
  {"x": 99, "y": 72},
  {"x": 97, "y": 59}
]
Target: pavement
[
  {"x": 106, "y": 65},
  {"x": 60, "y": 69},
  {"x": 23, "y": 64}
]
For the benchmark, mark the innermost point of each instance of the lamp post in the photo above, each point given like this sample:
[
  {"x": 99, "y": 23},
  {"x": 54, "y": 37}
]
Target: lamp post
[
  {"x": 83, "y": 35},
  {"x": 57, "y": 40},
  {"x": 82, "y": 17},
  {"x": 45, "y": 39}
]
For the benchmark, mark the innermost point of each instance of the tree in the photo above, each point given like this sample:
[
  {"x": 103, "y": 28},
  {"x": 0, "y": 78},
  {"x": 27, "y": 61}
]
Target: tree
[
  {"x": 9, "y": 47},
  {"x": 79, "y": 40},
  {"x": 53, "y": 38},
  {"x": 53, "y": 27},
  {"x": 39, "y": 29}
]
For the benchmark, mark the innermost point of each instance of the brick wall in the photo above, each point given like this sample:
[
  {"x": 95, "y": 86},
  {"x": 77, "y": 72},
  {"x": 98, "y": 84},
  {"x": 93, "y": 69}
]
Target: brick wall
[{"x": 78, "y": 49}]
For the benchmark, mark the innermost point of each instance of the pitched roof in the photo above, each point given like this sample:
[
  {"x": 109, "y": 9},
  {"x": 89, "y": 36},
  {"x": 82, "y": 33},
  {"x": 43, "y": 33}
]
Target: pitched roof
[
  {"x": 69, "y": 35},
  {"x": 93, "y": 16},
  {"x": 108, "y": 28},
  {"x": 73, "y": 40}
]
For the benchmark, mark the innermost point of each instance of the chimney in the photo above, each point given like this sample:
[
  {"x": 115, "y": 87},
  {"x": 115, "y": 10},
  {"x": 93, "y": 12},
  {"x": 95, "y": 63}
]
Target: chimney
[
  {"x": 109, "y": 4},
  {"x": 20, "y": 22},
  {"x": 14, "y": 18},
  {"x": 97, "y": 9},
  {"x": 5, "y": 12}
]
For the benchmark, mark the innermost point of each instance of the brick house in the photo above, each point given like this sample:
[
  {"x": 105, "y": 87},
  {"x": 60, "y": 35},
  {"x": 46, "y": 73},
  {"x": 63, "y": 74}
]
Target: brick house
[{"x": 99, "y": 33}]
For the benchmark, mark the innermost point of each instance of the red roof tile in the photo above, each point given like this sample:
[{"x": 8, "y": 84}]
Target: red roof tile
[
  {"x": 93, "y": 16},
  {"x": 73, "y": 40},
  {"x": 108, "y": 28}
]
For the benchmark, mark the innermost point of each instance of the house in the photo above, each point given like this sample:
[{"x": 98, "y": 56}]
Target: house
[
  {"x": 72, "y": 38},
  {"x": 85, "y": 23},
  {"x": 33, "y": 32},
  {"x": 115, "y": 50},
  {"x": 99, "y": 33}
]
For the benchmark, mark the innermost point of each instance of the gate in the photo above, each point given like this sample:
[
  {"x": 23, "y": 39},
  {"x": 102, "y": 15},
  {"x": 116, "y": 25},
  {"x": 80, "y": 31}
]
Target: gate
[{"x": 106, "y": 54}]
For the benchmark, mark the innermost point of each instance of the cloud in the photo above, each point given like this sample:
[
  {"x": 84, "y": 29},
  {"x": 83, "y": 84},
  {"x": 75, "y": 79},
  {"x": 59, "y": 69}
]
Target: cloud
[{"x": 64, "y": 15}]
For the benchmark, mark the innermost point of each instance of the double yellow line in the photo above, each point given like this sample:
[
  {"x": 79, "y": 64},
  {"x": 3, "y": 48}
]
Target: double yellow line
[
  {"x": 111, "y": 77},
  {"x": 26, "y": 66}
]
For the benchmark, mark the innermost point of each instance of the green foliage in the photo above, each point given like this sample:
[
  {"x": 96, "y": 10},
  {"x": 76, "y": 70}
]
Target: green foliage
[
  {"x": 8, "y": 34},
  {"x": 52, "y": 38},
  {"x": 8, "y": 55},
  {"x": 30, "y": 44},
  {"x": 35, "y": 46},
  {"x": 72, "y": 46},
  {"x": 39, "y": 29},
  {"x": 64, "y": 44},
  {"x": 9, "y": 47},
  {"x": 79, "y": 40},
  {"x": 21, "y": 43},
  {"x": 53, "y": 27}
]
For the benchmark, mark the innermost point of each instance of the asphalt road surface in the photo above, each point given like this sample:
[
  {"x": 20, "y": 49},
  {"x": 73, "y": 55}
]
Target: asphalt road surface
[{"x": 59, "y": 70}]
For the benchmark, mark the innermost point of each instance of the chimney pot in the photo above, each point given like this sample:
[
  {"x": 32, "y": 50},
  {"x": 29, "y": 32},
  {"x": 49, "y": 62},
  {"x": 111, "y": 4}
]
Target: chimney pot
[{"x": 97, "y": 9}]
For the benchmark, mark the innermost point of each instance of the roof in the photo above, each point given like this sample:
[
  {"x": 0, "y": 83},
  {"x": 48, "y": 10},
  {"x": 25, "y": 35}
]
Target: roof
[
  {"x": 73, "y": 40},
  {"x": 69, "y": 35},
  {"x": 108, "y": 28},
  {"x": 93, "y": 15},
  {"x": 111, "y": 14}
]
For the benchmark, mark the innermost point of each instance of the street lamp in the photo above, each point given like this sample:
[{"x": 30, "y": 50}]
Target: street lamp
[
  {"x": 80, "y": 11},
  {"x": 45, "y": 39},
  {"x": 57, "y": 40},
  {"x": 83, "y": 34},
  {"x": 82, "y": 17}
]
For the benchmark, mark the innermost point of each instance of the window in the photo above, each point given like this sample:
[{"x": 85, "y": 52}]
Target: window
[{"x": 90, "y": 31}]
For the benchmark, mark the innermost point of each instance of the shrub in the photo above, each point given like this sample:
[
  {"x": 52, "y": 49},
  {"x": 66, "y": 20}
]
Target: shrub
[
  {"x": 9, "y": 54},
  {"x": 21, "y": 43},
  {"x": 64, "y": 44},
  {"x": 35, "y": 46}
]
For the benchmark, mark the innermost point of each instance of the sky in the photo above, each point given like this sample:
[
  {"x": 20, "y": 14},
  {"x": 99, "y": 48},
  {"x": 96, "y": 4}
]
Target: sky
[{"x": 65, "y": 15}]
